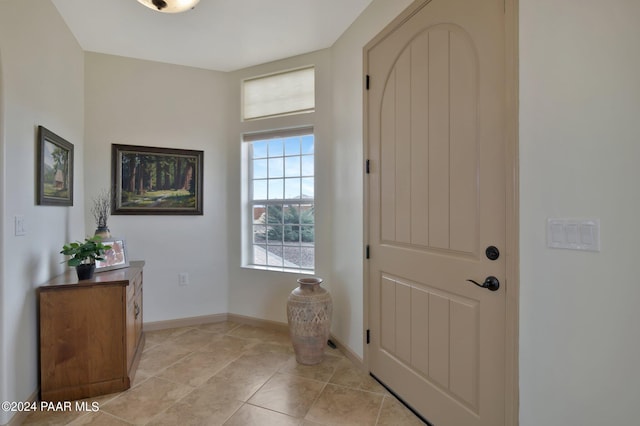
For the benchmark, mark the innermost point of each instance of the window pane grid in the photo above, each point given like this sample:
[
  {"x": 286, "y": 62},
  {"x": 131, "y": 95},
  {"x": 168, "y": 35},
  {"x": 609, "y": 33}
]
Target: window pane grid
[{"x": 282, "y": 205}]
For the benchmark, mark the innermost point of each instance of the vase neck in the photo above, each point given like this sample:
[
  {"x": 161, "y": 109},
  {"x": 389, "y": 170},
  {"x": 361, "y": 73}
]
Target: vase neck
[{"x": 309, "y": 282}]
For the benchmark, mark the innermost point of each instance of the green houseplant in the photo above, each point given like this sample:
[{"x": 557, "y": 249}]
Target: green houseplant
[{"x": 84, "y": 255}]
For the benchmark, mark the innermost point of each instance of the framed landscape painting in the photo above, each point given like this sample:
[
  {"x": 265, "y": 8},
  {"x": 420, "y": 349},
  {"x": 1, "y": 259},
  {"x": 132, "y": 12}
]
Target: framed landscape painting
[
  {"x": 156, "y": 181},
  {"x": 54, "y": 169}
]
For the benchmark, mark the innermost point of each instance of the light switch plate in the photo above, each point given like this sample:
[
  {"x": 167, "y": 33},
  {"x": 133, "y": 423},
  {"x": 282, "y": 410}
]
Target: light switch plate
[
  {"x": 19, "y": 226},
  {"x": 573, "y": 234}
]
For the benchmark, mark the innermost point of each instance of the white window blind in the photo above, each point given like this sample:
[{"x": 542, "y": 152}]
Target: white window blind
[{"x": 278, "y": 94}]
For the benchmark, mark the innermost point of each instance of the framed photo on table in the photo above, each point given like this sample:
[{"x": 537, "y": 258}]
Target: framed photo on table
[{"x": 115, "y": 257}]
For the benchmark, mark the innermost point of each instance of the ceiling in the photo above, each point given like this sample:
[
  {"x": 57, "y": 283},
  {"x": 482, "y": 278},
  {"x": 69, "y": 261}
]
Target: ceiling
[{"x": 223, "y": 35}]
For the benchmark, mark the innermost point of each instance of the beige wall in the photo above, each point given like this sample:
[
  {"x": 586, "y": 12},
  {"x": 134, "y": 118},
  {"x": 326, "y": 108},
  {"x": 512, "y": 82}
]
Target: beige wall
[
  {"x": 42, "y": 84},
  {"x": 137, "y": 102},
  {"x": 347, "y": 168},
  {"x": 579, "y": 153}
]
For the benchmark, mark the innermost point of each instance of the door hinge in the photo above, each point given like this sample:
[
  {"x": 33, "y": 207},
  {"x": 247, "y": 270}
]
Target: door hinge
[
  {"x": 367, "y": 252},
  {"x": 367, "y": 167},
  {"x": 368, "y": 336},
  {"x": 366, "y": 84}
]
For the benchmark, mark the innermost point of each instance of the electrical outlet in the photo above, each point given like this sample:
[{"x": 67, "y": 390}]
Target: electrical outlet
[{"x": 183, "y": 279}]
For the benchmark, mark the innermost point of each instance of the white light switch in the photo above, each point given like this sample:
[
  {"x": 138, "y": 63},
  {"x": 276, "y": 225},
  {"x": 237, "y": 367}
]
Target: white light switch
[
  {"x": 557, "y": 233},
  {"x": 587, "y": 232},
  {"x": 574, "y": 234},
  {"x": 19, "y": 226},
  {"x": 571, "y": 230}
]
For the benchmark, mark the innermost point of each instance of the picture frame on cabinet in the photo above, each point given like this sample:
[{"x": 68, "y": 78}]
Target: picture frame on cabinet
[{"x": 115, "y": 257}]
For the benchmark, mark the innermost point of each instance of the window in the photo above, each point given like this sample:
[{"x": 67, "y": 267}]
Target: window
[
  {"x": 281, "y": 198},
  {"x": 279, "y": 94}
]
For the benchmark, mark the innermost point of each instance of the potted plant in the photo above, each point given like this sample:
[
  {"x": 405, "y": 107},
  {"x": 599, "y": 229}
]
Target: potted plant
[{"x": 84, "y": 255}]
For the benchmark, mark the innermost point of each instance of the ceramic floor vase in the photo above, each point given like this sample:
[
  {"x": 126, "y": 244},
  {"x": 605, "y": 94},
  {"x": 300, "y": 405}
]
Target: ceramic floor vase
[{"x": 309, "y": 309}]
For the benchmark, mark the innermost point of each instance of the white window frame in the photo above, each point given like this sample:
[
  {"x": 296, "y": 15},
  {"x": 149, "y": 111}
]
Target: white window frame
[{"x": 309, "y": 203}]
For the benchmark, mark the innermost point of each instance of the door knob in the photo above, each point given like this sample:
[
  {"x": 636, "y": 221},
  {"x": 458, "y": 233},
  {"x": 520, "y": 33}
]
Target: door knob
[{"x": 490, "y": 283}]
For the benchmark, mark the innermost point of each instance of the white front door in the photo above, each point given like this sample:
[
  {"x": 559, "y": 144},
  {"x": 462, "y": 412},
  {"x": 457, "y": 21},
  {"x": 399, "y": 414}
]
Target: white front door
[{"x": 435, "y": 128}]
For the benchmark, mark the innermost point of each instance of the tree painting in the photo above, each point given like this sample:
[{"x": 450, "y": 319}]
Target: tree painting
[{"x": 157, "y": 181}]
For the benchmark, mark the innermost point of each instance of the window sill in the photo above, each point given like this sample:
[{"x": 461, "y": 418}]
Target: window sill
[{"x": 278, "y": 269}]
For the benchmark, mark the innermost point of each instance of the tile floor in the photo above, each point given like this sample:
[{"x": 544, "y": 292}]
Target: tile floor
[{"x": 233, "y": 374}]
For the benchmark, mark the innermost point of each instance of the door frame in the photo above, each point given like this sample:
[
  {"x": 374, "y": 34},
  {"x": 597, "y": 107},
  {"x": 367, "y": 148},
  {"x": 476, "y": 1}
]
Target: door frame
[{"x": 512, "y": 223}]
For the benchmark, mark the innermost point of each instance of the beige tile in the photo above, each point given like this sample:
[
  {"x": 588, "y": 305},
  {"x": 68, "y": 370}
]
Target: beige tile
[
  {"x": 338, "y": 405},
  {"x": 153, "y": 338},
  {"x": 99, "y": 419},
  {"x": 394, "y": 413},
  {"x": 138, "y": 405},
  {"x": 287, "y": 394},
  {"x": 240, "y": 389},
  {"x": 197, "y": 367},
  {"x": 321, "y": 372},
  {"x": 192, "y": 340},
  {"x": 253, "y": 362},
  {"x": 263, "y": 361},
  {"x": 51, "y": 418},
  {"x": 198, "y": 408},
  {"x": 262, "y": 333},
  {"x": 98, "y": 401},
  {"x": 140, "y": 377},
  {"x": 229, "y": 344},
  {"x": 78, "y": 410},
  {"x": 160, "y": 357},
  {"x": 219, "y": 327},
  {"x": 260, "y": 347},
  {"x": 243, "y": 376},
  {"x": 347, "y": 374},
  {"x": 249, "y": 415}
]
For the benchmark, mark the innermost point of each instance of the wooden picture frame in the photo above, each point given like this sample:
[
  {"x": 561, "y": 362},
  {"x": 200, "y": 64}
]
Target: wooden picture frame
[
  {"x": 54, "y": 169},
  {"x": 156, "y": 181},
  {"x": 114, "y": 258}
]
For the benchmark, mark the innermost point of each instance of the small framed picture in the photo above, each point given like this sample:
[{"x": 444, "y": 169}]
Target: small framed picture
[
  {"x": 55, "y": 169},
  {"x": 115, "y": 257}
]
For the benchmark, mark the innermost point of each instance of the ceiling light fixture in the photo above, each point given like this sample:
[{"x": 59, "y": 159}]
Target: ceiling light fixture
[{"x": 170, "y": 6}]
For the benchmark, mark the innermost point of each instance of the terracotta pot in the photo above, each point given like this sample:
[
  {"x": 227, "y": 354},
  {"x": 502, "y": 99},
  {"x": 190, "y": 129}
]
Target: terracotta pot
[{"x": 309, "y": 309}]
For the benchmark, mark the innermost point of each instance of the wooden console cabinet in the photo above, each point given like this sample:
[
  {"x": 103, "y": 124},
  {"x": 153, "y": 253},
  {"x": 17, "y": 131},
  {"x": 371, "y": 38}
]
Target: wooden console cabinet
[{"x": 91, "y": 334}]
